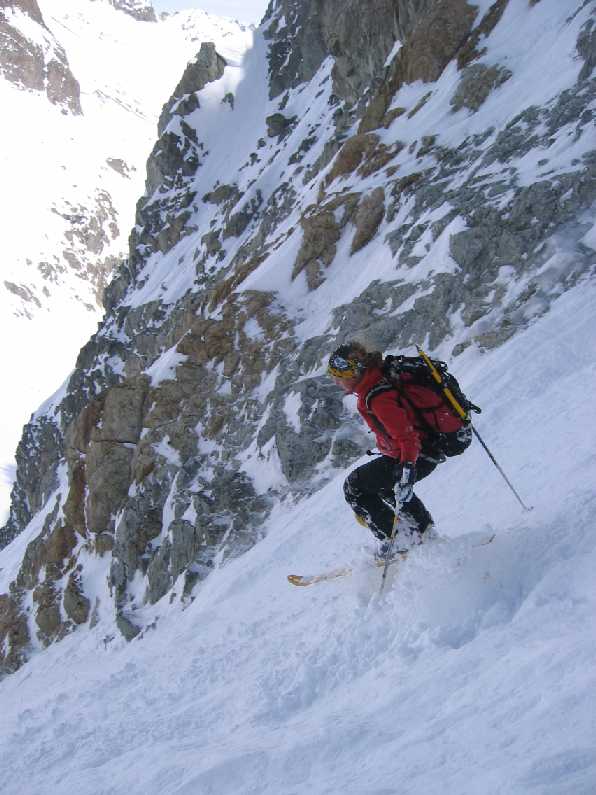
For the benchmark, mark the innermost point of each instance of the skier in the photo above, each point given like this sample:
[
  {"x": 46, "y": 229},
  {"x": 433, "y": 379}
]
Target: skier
[{"x": 406, "y": 456}]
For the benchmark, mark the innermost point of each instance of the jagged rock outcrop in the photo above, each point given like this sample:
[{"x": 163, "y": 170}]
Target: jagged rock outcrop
[
  {"x": 163, "y": 213},
  {"x": 477, "y": 82},
  {"x": 35, "y": 63},
  {"x": 361, "y": 154},
  {"x": 206, "y": 68},
  {"x": 142, "y": 10},
  {"x": 278, "y": 125},
  {"x": 201, "y": 400},
  {"x": 321, "y": 228},
  {"x": 368, "y": 218}
]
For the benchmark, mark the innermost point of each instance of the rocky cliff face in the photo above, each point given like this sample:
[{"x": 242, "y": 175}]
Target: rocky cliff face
[
  {"x": 404, "y": 181},
  {"x": 71, "y": 180},
  {"x": 302, "y": 41},
  {"x": 32, "y": 59}
]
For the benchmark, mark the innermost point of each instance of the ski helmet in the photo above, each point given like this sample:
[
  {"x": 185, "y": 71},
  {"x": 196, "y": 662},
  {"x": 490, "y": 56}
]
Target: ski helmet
[{"x": 344, "y": 364}]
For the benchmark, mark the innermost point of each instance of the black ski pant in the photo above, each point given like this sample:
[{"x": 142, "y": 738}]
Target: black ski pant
[{"x": 369, "y": 491}]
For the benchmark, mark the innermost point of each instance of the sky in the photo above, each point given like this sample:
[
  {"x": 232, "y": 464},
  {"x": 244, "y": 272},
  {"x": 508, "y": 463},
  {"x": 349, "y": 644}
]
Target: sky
[{"x": 244, "y": 10}]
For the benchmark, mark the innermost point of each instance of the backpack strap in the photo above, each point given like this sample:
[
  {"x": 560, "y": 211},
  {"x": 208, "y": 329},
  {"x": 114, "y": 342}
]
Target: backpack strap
[
  {"x": 378, "y": 389},
  {"x": 420, "y": 420},
  {"x": 402, "y": 401}
]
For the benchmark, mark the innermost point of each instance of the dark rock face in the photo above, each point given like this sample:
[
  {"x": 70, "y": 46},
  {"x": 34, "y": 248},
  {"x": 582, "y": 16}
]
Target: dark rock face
[
  {"x": 318, "y": 28},
  {"x": 434, "y": 39},
  {"x": 38, "y": 455},
  {"x": 278, "y": 125},
  {"x": 24, "y": 62}
]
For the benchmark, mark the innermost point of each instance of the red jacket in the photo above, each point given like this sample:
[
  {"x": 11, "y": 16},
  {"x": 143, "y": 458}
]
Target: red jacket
[{"x": 392, "y": 423}]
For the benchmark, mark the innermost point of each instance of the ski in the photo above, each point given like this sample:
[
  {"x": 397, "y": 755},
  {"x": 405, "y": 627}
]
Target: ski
[
  {"x": 304, "y": 580},
  {"x": 346, "y": 571}
]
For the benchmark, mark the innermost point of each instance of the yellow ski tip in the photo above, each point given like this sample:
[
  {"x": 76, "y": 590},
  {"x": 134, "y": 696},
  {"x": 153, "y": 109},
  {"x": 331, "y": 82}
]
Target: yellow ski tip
[{"x": 296, "y": 579}]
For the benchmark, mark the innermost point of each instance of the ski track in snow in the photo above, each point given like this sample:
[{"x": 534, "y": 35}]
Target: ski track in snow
[{"x": 474, "y": 674}]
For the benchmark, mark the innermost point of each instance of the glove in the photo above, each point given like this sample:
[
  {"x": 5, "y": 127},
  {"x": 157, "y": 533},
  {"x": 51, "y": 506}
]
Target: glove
[{"x": 404, "y": 487}]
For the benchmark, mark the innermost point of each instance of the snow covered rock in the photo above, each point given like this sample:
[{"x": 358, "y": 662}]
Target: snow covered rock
[
  {"x": 142, "y": 10},
  {"x": 32, "y": 59},
  {"x": 477, "y": 81},
  {"x": 207, "y": 67},
  {"x": 82, "y": 86},
  {"x": 586, "y": 47}
]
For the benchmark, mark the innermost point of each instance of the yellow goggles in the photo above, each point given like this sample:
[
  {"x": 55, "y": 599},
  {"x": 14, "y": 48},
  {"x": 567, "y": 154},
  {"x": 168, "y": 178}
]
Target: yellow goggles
[{"x": 343, "y": 368}]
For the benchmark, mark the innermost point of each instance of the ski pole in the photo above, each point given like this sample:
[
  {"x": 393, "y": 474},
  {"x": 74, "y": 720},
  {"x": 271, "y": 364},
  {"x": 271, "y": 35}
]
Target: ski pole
[
  {"x": 391, "y": 541},
  {"x": 466, "y": 418}
]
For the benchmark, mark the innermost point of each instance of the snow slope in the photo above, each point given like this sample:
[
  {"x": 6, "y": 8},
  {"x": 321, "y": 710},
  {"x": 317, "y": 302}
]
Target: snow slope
[
  {"x": 59, "y": 171},
  {"x": 473, "y": 675}
]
